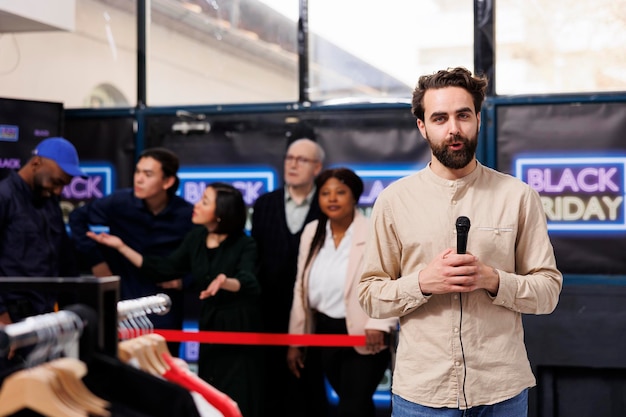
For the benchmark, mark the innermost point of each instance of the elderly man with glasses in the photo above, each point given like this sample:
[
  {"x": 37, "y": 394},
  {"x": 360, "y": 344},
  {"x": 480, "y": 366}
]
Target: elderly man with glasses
[{"x": 277, "y": 222}]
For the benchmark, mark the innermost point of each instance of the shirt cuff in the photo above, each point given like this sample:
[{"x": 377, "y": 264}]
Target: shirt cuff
[
  {"x": 506, "y": 290},
  {"x": 410, "y": 290}
]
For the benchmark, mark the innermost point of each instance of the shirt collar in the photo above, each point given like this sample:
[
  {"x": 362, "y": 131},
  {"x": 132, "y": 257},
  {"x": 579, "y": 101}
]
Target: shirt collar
[
  {"x": 307, "y": 200},
  {"x": 141, "y": 205},
  {"x": 329, "y": 232},
  {"x": 469, "y": 178}
]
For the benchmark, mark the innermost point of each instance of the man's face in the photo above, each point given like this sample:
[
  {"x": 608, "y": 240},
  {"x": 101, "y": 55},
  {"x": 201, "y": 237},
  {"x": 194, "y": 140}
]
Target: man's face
[
  {"x": 301, "y": 164},
  {"x": 49, "y": 179},
  {"x": 450, "y": 126},
  {"x": 149, "y": 180}
]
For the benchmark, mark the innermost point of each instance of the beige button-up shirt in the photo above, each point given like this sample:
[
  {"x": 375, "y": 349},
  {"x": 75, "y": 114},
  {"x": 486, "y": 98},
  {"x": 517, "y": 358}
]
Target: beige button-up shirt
[{"x": 458, "y": 350}]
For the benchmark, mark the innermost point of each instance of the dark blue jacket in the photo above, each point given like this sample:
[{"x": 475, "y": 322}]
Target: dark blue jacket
[
  {"x": 127, "y": 217},
  {"x": 33, "y": 241}
]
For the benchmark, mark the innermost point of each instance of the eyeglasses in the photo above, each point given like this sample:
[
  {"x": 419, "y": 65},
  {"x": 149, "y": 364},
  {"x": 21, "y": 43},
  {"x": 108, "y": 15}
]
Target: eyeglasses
[{"x": 299, "y": 160}]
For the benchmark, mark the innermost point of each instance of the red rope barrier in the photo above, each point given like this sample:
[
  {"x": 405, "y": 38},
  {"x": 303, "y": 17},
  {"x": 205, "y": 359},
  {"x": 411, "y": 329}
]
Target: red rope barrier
[{"x": 243, "y": 338}]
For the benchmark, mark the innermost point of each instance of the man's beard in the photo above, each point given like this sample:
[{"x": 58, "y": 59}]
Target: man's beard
[
  {"x": 455, "y": 159},
  {"x": 40, "y": 194}
]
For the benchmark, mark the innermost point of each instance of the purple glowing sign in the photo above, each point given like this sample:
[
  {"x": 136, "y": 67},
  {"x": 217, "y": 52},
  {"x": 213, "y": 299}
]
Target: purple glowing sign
[{"x": 578, "y": 194}]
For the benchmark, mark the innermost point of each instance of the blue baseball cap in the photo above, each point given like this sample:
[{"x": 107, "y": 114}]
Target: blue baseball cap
[{"x": 62, "y": 152}]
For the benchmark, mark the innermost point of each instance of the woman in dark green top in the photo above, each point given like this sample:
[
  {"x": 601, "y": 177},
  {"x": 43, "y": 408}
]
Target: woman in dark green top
[{"x": 222, "y": 260}]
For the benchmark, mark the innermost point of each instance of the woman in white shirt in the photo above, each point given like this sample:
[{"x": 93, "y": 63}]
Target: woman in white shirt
[{"x": 325, "y": 299}]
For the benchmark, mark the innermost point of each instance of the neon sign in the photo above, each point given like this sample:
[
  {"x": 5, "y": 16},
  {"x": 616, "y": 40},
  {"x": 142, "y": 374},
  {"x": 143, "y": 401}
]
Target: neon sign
[
  {"x": 9, "y": 133},
  {"x": 251, "y": 182},
  {"x": 99, "y": 183},
  {"x": 255, "y": 182},
  {"x": 376, "y": 179},
  {"x": 10, "y": 163},
  {"x": 578, "y": 194}
]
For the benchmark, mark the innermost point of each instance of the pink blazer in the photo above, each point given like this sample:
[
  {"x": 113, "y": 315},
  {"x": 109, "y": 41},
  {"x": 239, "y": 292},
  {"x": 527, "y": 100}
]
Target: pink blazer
[{"x": 301, "y": 318}]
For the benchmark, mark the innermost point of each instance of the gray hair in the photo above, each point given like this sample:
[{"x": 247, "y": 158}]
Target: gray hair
[{"x": 319, "y": 151}]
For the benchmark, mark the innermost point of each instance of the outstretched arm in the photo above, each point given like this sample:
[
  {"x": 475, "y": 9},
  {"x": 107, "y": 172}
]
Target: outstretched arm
[
  {"x": 116, "y": 243},
  {"x": 221, "y": 282}
]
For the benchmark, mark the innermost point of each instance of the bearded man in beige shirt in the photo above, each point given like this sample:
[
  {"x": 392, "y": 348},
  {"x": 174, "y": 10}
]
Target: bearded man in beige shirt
[{"x": 461, "y": 341}]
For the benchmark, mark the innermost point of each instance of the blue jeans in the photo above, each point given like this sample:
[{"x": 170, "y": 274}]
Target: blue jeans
[{"x": 513, "y": 407}]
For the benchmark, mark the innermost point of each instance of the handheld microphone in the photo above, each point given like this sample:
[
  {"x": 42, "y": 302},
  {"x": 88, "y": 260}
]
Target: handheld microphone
[{"x": 462, "y": 229}]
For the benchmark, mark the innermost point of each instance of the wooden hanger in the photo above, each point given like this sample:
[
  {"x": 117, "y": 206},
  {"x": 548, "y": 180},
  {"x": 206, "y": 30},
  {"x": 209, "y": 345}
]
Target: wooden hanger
[
  {"x": 70, "y": 372},
  {"x": 144, "y": 351},
  {"x": 53, "y": 388},
  {"x": 150, "y": 348},
  {"x": 37, "y": 389},
  {"x": 127, "y": 350},
  {"x": 159, "y": 346}
]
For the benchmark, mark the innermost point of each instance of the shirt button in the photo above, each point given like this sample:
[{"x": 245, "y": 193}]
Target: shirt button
[
  {"x": 456, "y": 330},
  {"x": 457, "y": 363},
  {"x": 454, "y": 202},
  {"x": 455, "y": 296}
]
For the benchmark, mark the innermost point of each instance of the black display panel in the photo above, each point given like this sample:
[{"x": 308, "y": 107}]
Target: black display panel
[
  {"x": 574, "y": 155},
  {"x": 23, "y": 124},
  {"x": 247, "y": 150}
]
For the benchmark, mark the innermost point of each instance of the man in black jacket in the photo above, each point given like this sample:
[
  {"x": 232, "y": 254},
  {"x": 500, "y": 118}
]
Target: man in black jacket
[
  {"x": 33, "y": 239},
  {"x": 277, "y": 222}
]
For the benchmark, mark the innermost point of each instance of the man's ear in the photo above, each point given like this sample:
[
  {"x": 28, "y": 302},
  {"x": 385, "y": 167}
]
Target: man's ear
[
  {"x": 169, "y": 182},
  {"x": 422, "y": 128},
  {"x": 35, "y": 162},
  {"x": 318, "y": 169}
]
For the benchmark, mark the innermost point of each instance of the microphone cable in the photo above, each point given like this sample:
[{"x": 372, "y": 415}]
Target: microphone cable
[{"x": 462, "y": 351}]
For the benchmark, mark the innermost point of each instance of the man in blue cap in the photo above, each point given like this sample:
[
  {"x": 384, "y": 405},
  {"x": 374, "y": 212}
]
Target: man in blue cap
[{"x": 33, "y": 238}]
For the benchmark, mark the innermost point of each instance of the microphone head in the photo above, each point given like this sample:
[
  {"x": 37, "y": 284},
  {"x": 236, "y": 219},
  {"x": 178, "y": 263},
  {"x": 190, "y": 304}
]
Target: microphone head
[{"x": 462, "y": 224}]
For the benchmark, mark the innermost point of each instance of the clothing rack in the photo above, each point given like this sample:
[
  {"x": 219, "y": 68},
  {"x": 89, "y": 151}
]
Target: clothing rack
[
  {"x": 153, "y": 304},
  {"x": 99, "y": 294},
  {"x": 133, "y": 314},
  {"x": 59, "y": 385},
  {"x": 45, "y": 328},
  {"x": 51, "y": 335}
]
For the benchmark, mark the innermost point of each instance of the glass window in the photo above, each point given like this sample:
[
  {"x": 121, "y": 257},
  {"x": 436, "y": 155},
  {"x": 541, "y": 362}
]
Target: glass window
[
  {"x": 373, "y": 50},
  {"x": 245, "y": 51},
  {"x": 560, "y": 46},
  {"x": 85, "y": 58},
  {"x": 221, "y": 52}
]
